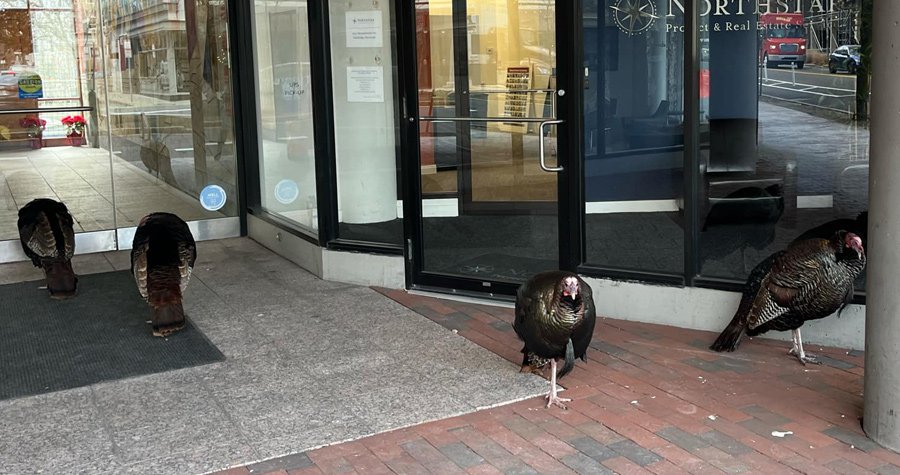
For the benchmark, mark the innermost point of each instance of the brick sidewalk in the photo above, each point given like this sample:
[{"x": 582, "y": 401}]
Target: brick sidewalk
[{"x": 650, "y": 399}]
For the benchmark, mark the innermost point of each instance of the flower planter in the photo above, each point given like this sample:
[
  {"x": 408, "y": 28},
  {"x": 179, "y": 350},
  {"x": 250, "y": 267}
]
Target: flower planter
[
  {"x": 75, "y": 127},
  {"x": 37, "y": 143},
  {"x": 75, "y": 140}
]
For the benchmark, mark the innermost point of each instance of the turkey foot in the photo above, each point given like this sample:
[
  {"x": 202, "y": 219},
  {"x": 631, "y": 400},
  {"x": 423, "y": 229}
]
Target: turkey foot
[
  {"x": 797, "y": 349},
  {"x": 803, "y": 356},
  {"x": 551, "y": 397}
]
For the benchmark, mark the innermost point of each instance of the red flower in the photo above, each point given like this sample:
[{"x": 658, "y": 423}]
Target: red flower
[
  {"x": 74, "y": 124},
  {"x": 29, "y": 122},
  {"x": 33, "y": 126}
]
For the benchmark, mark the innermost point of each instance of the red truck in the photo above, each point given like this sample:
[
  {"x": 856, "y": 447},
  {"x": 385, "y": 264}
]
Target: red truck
[{"x": 782, "y": 39}]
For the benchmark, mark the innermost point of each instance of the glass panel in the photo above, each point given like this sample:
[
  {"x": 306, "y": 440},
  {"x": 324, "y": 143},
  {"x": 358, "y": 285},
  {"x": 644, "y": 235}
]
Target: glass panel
[
  {"x": 169, "y": 98},
  {"x": 437, "y": 96},
  {"x": 286, "y": 148},
  {"x": 786, "y": 159},
  {"x": 633, "y": 130},
  {"x": 501, "y": 225},
  {"x": 45, "y": 61},
  {"x": 363, "y": 72},
  {"x": 512, "y": 47}
]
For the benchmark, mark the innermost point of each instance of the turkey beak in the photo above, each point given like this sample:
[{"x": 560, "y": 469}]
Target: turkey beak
[
  {"x": 855, "y": 243},
  {"x": 571, "y": 288}
]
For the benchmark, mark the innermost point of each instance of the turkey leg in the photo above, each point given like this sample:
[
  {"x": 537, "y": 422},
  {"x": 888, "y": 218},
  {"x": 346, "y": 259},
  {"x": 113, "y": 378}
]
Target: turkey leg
[
  {"x": 551, "y": 396},
  {"x": 797, "y": 349}
]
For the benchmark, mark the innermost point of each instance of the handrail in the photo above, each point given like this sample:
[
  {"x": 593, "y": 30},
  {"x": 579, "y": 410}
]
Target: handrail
[
  {"x": 508, "y": 91},
  {"x": 483, "y": 119},
  {"x": 45, "y": 110},
  {"x": 544, "y": 165}
]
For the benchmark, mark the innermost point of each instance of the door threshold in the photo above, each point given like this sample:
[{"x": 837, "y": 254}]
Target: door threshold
[{"x": 496, "y": 301}]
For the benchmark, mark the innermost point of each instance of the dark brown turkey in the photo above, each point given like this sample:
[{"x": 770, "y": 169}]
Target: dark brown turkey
[
  {"x": 48, "y": 239},
  {"x": 811, "y": 279},
  {"x": 162, "y": 257},
  {"x": 555, "y": 317}
]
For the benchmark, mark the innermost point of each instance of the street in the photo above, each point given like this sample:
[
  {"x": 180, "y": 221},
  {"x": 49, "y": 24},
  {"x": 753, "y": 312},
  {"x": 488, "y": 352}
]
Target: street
[{"x": 813, "y": 86}]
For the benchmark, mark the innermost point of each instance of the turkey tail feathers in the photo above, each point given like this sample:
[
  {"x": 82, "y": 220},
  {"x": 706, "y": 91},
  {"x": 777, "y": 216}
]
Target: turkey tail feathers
[
  {"x": 730, "y": 337},
  {"x": 570, "y": 360},
  {"x": 61, "y": 280},
  {"x": 168, "y": 319}
]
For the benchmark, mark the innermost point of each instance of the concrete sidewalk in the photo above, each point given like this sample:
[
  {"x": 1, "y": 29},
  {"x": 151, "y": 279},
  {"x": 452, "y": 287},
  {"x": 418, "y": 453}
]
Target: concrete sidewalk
[{"x": 309, "y": 363}]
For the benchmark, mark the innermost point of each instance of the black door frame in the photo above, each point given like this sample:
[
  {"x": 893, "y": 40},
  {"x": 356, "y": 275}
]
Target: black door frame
[{"x": 570, "y": 200}]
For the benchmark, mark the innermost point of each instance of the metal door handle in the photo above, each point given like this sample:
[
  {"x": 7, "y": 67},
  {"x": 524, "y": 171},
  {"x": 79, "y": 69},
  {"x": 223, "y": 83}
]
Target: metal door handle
[{"x": 541, "y": 145}]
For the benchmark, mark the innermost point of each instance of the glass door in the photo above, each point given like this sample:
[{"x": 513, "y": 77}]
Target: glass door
[
  {"x": 50, "y": 140},
  {"x": 488, "y": 157},
  {"x": 118, "y": 110}
]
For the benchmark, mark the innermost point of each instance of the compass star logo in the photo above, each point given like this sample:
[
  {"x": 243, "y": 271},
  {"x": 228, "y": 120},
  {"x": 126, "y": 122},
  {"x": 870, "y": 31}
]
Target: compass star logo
[{"x": 634, "y": 16}]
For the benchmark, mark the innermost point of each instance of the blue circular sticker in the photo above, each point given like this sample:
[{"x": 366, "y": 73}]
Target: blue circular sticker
[
  {"x": 287, "y": 191},
  {"x": 212, "y": 197}
]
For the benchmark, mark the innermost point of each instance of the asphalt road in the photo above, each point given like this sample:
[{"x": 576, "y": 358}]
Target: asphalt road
[{"x": 813, "y": 86}]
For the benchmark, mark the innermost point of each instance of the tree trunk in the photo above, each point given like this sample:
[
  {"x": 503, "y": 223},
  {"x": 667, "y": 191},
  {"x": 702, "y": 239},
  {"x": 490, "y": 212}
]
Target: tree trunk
[
  {"x": 196, "y": 12},
  {"x": 864, "y": 71}
]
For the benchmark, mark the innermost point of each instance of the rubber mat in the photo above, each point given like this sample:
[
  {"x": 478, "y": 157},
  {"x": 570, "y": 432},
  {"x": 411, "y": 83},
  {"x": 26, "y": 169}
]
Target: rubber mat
[{"x": 102, "y": 334}]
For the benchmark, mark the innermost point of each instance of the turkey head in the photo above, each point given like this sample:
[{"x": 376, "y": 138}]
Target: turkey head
[
  {"x": 46, "y": 231},
  {"x": 848, "y": 246},
  {"x": 162, "y": 257}
]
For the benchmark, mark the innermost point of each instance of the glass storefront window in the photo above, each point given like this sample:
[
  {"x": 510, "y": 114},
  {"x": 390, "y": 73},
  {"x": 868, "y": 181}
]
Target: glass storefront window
[
  {"x": 149, "y": 87},
  {"x": 633, "y": 132},
  {"x": 168, "y": 90},
  {"x": 286, "y": 140},
  {"x": 363, "y": 71},
  {"x": 783, "y": 157}
]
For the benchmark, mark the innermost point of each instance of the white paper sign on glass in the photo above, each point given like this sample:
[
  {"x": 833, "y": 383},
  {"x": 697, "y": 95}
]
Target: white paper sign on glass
[
  {"x": 364, "y": 29},
  {"x": 365, "y": 84}
]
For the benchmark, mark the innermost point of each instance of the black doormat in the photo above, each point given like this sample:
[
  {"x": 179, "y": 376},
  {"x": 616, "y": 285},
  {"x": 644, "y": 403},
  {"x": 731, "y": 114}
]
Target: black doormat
[
  {"x": 100, "y": 335},
  {"x": 498, "y": 266}
]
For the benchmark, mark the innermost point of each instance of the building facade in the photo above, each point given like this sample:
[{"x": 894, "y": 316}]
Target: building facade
[{"x": 660, "y": 148}]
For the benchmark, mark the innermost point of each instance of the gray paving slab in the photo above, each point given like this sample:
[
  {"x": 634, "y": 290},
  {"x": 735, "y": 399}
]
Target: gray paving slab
[
  {"x": 584, "y": 464},
  {"x": 309, "y": 363},
  {"x": 593, "y": 449}
]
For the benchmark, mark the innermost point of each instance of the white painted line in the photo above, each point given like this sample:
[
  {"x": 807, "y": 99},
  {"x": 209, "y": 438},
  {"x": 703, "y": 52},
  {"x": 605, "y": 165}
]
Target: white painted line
[
  {"x": 435, "y": 208},
  {"x": 815, "y": 201},
  {"x": 449, "y": 207},
  {"x": 635, "y": 206}
]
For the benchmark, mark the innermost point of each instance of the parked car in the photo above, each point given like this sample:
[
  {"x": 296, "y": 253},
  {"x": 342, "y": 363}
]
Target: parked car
[{"x": 845, "y": 58}]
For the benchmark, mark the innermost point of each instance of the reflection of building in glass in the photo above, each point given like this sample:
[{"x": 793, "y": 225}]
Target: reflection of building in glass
[
  {"x": 149, "y": 40},
  {"x": 828, "y": 30}
]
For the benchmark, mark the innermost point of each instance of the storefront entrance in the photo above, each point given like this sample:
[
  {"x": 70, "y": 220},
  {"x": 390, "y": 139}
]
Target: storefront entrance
[
  {"x": 490, "y": 140},
  {"x": 117, "y": 110}
]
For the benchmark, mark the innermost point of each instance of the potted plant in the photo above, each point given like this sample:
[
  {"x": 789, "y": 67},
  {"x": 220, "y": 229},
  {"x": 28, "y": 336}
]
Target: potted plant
[
  {"x": 74, "y": 129},
  {"x": 34, "y": 128}
]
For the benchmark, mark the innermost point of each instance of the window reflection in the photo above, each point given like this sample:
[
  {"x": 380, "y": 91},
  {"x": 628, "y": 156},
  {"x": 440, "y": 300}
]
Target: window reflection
[
  {"x": 633, "y": 138},
  {"x": 785, "y": 158},
  {"x": 286, "y": 141},
  {"x": 169, "y": 93}
]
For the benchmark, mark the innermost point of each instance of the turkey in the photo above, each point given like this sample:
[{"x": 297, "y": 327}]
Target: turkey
[
  {"x": 162, "y": 257},
  {"x": 48, "y": 239},
  {"x": 555, "y": 317},
  {"x": 155, "y": 154},
  {"x": 811, "y": 279}
]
